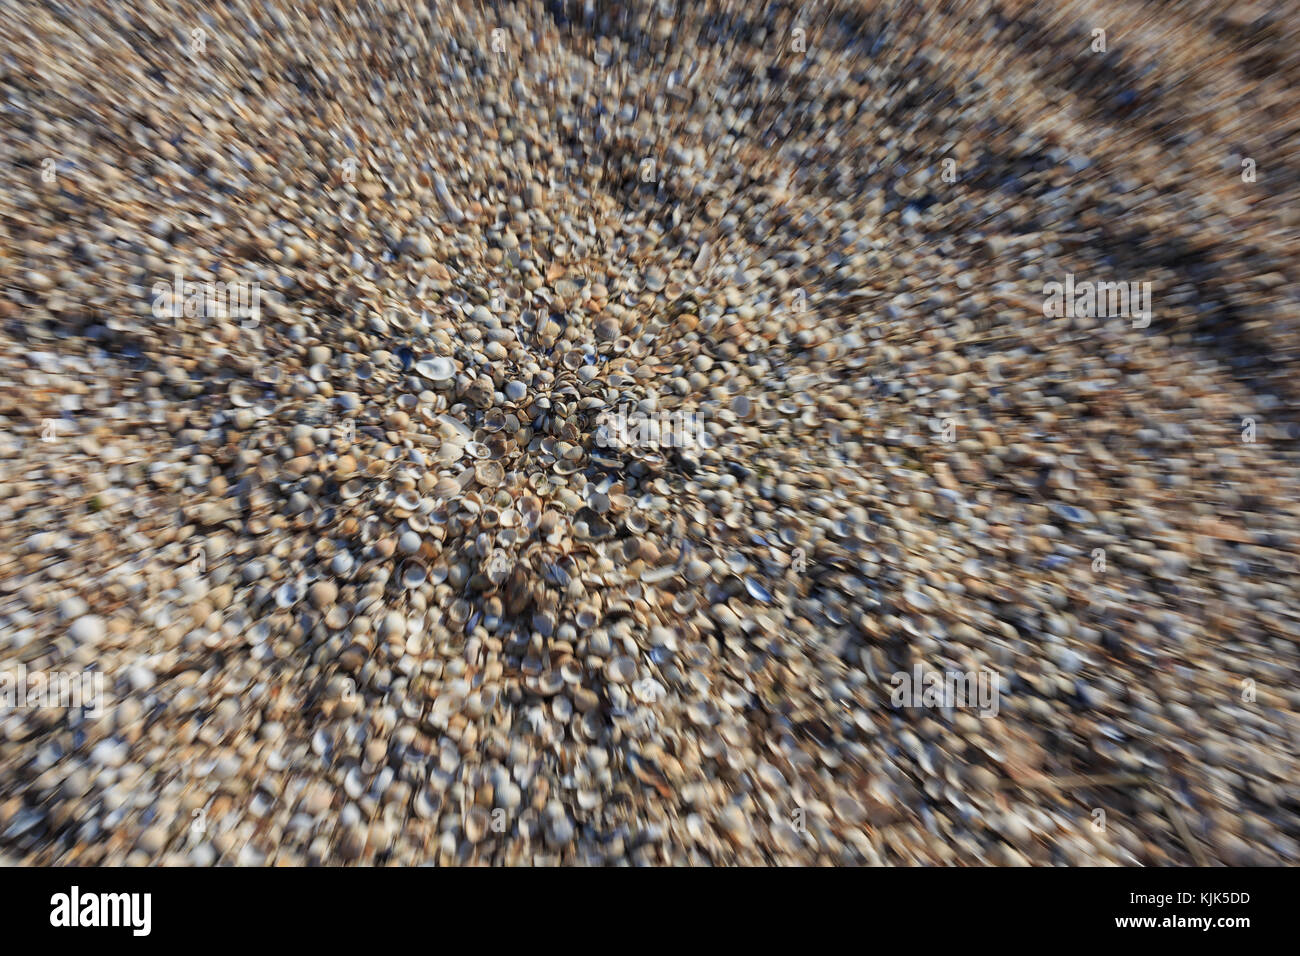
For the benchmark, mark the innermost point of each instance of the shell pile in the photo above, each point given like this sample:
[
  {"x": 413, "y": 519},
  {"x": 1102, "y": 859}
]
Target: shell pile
[{"x": 376, "y": 572}]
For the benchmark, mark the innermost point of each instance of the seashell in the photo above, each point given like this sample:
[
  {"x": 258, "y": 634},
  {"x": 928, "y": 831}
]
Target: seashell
[
  {"x": 446, "y": 488},
  {"x": 658, "y": 575},
  {"x": 499, "y": 567},
  {"x": 427, "y": 804},
  {"x": 647, "y": 691},
  {"x": 544, "y": 623},
  {"x": 555, "y": 574},
  {"x": 288, "y": 594},
  {"x": 489, "y": 473},
  {"x": 454, "y": 428},
  {"x": 530, "y": 511},
  {"x": 549, "y": 683},
  {"x": 499, "y": 445},
  {"x": 414, "y": 575},
  {"x": 439, "y": 370},
  {"x": 620, "y": 670},
  {"x": 405, "y": 503},
  {"x": 571, "y": 670},
  {"x": 242, "y": 395},
  {"x": 370, "y": 529}
]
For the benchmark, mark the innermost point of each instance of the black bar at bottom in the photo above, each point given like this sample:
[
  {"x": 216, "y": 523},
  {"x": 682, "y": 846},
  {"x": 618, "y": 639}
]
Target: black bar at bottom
[{"x": 229, "y": 905}]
